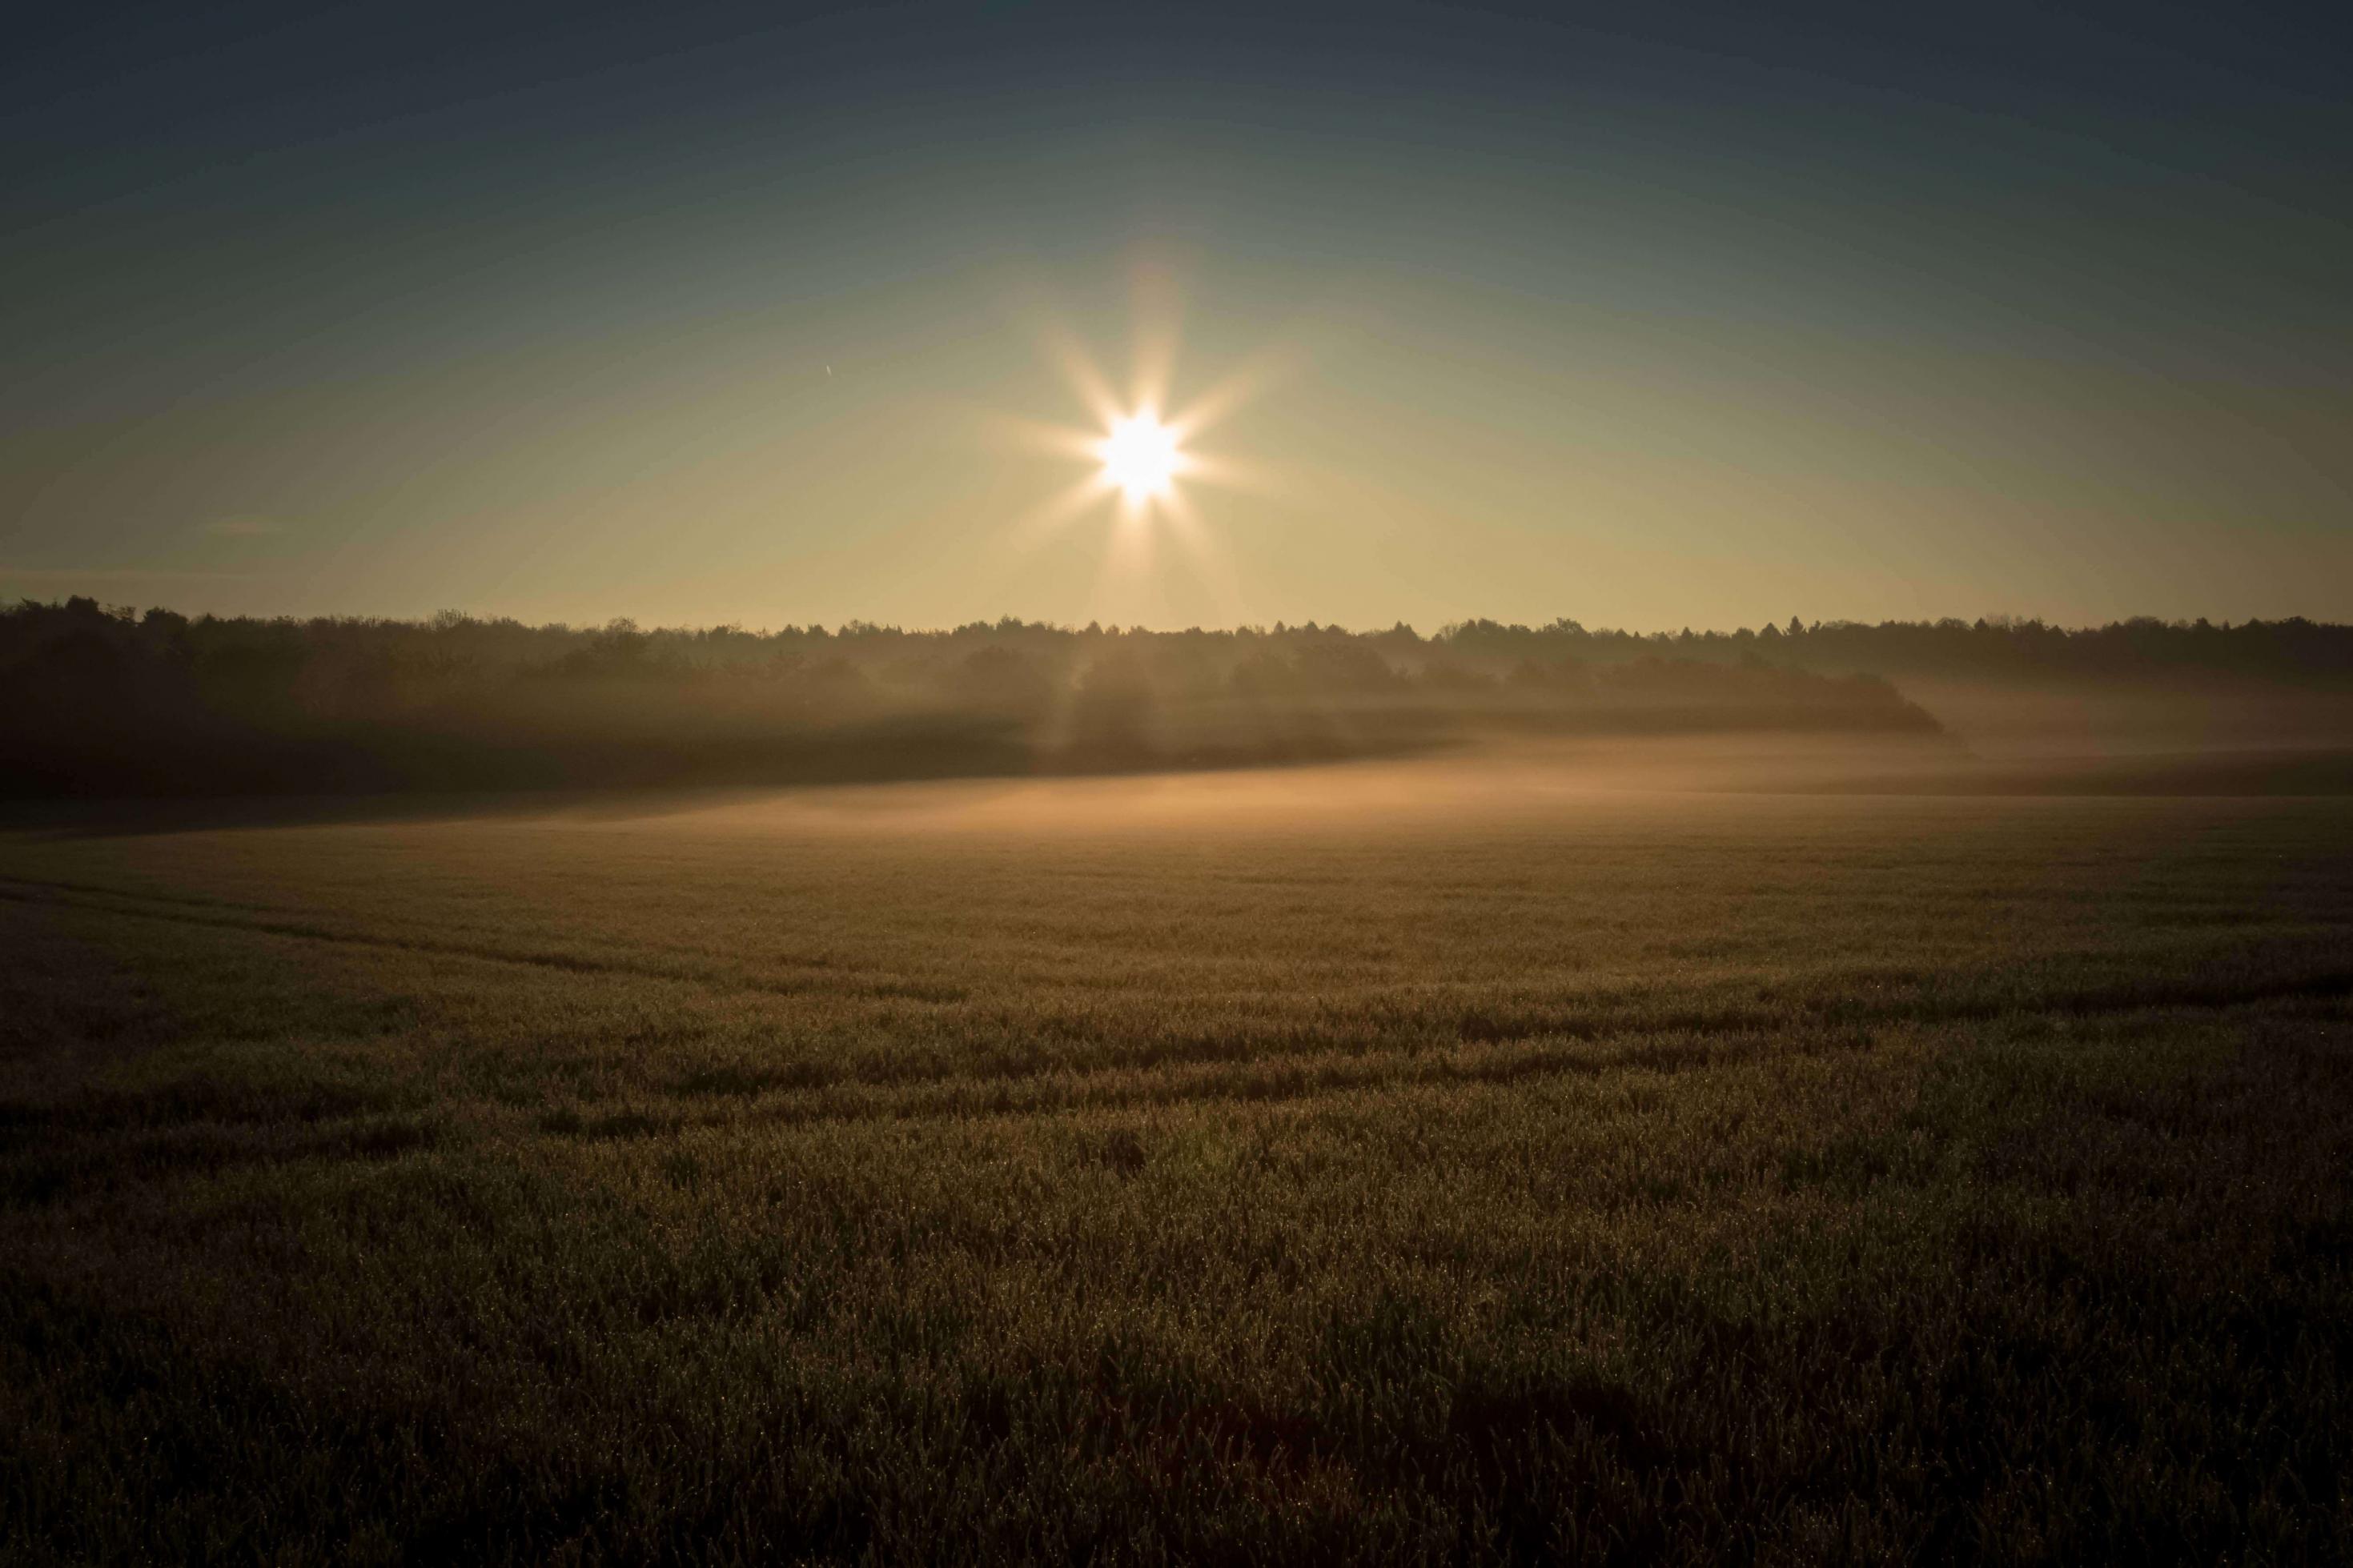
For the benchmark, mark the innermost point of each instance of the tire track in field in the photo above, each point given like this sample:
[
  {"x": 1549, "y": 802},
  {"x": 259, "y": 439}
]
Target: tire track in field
[
  {"x": 116, "y": 903},
  {"x": 1265, "y": 1081},
  {"x": 192, "y": 899},
  {"x": 796, "y": 1097},
  {"x": 1272, "y": 1080},
  {"x": 2088, "y": 1000},
  {"x": 1313, "y": 1077},
  {"x": 1474, "y": 1024}
]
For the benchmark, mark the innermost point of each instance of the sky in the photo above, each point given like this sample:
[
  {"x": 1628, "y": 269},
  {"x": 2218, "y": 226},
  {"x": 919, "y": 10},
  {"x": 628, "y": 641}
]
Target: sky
[{"x": 1645, "y": 316}]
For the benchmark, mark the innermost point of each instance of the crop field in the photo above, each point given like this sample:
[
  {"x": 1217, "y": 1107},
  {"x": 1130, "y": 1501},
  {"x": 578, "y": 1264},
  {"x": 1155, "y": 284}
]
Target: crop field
[{"x": 1410, "y": 1162}]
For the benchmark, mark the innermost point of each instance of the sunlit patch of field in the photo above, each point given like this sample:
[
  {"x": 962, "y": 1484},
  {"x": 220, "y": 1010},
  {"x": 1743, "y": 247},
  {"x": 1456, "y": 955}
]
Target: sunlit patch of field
[{"x": 1415, "y": 1160}]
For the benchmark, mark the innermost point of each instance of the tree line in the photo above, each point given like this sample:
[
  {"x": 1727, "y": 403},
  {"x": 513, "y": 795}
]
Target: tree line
[
  {"x": 97, "y": 699},
  {"x": 2001, "y": 648}
]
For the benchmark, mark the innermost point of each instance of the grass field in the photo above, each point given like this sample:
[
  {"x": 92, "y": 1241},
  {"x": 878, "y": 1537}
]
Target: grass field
[{"x": 1420, "y": 1162}]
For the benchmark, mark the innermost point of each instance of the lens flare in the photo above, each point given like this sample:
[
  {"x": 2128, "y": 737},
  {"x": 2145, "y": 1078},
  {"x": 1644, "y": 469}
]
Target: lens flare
[{"x": 1139, "y": 445}]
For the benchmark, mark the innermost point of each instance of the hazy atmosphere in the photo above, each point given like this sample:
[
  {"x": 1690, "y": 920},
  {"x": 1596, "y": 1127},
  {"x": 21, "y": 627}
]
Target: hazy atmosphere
[
  {"x": 1040, "y": 784},
  {"x": 1681, "y": 315}
]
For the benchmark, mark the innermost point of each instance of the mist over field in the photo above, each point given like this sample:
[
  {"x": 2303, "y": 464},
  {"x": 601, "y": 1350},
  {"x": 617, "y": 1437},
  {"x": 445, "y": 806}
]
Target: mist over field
[{"x": 98, "y": 702}]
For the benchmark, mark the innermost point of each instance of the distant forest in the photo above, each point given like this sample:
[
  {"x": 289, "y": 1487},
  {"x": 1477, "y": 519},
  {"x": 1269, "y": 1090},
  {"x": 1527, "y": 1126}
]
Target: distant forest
[{"x": 97, "y": 699}]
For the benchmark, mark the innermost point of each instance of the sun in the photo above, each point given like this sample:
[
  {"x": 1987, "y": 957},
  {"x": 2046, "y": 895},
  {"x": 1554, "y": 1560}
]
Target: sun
[
  {"x": 1140, "y": 450},
  {"x": 1140, "y": 456}
]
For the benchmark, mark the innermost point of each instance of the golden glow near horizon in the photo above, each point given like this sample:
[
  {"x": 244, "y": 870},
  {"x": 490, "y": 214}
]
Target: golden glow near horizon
[
  {"x": 1143, "y": 461},
  {"x": 1140, "y": 456}
]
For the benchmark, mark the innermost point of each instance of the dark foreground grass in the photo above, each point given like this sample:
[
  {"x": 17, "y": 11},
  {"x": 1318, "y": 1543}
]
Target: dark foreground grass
[{"x": 1209, "y": 1171}]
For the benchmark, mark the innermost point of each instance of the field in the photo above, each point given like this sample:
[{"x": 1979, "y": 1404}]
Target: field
[{"x": 1419, "y": 1162}]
